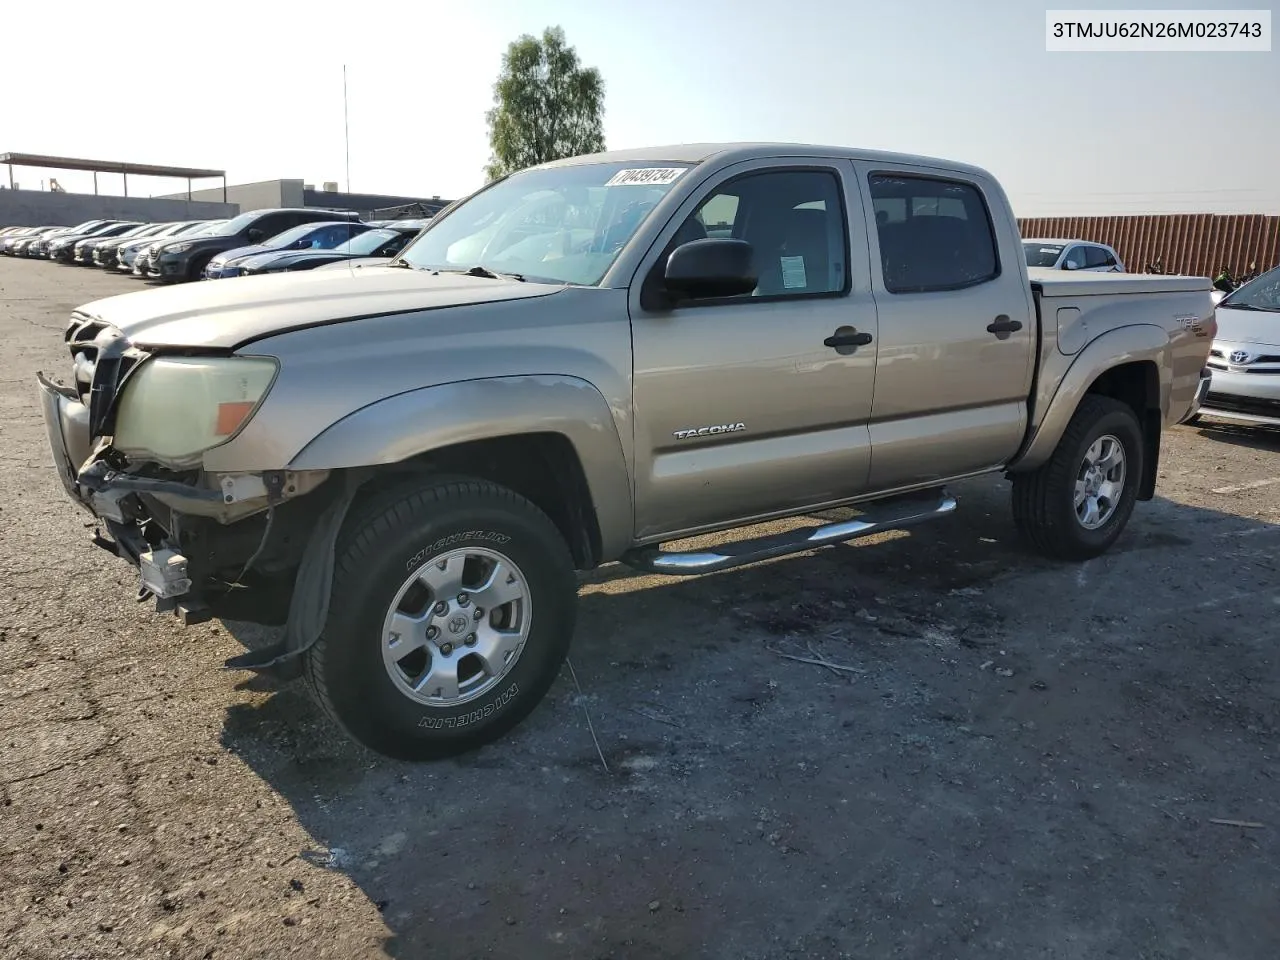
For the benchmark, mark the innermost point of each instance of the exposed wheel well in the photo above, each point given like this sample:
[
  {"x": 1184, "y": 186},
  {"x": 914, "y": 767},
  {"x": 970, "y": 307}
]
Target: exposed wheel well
[
  {"x": 1137, "y": 385},
  {"x": 542, "y": 467}
]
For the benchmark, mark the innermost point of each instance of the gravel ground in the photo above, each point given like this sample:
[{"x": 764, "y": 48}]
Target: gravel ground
[{"x": 1011, "y": 758}]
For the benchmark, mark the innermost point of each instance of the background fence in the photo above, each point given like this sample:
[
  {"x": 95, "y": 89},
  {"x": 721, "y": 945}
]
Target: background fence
[{"x": 1194, "y": 244}]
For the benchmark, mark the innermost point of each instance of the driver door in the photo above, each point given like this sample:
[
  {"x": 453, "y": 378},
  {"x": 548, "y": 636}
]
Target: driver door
[{"x": 741, "y": 409}]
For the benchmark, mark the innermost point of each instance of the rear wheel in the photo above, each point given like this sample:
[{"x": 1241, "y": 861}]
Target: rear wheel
[
  {"x": 1077, "y": 504},
  {"x": 451, "y": 613}
]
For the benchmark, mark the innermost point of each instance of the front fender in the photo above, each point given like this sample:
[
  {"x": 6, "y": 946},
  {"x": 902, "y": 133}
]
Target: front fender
[
  {"x": 408, "y": 424},
  {"x": 1124, "y": 345}
]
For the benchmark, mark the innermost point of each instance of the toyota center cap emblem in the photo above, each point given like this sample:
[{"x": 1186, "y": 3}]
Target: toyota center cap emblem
[{"x": 457, "y": 625}]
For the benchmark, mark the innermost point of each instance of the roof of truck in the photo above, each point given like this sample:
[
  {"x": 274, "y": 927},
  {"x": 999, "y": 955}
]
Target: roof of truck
[{"x": 698, "y": 152}]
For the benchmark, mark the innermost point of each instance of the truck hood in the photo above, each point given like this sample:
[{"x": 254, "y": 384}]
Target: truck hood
[
  {"x": 1248, "y": 326},
  {"x": 226, "y": 314}
]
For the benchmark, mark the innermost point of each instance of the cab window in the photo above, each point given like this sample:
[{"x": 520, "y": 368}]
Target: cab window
[{"x": 795, "y": 223}]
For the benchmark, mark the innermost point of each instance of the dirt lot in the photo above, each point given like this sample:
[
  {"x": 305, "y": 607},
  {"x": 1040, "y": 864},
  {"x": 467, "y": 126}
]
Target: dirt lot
[{"x": 1017, "y": 759}]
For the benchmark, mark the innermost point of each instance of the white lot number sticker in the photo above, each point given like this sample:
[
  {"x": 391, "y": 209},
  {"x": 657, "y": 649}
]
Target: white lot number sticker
[
  {"x": 645, "y": 177},
  {"x": 793, "y": 275}
]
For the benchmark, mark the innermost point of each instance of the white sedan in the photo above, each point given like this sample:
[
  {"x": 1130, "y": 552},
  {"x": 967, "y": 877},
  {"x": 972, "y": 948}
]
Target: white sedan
[{"x": 1245, "y": 356}]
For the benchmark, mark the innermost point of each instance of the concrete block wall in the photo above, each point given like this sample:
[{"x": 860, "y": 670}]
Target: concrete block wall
[{"x": 36, "y": 207}]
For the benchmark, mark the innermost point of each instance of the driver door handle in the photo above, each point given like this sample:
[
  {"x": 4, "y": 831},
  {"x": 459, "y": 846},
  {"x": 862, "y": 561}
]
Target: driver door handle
[
  {"x": 847, "y": 337},
  {"x": 1002, "y": 324}
]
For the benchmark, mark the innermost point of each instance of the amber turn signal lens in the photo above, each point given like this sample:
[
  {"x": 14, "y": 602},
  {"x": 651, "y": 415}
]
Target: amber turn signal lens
[{"x": 231, "y": 415}]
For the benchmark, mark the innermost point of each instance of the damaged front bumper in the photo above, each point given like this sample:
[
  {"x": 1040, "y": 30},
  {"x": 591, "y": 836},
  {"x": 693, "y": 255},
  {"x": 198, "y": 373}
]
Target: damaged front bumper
[
  {"x": 193, "y": 538},
  {"x": 105, "y": 493}
]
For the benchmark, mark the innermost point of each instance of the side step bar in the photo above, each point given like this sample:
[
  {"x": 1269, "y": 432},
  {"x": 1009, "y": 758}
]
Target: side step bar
[{"x": 891, "y": 514}]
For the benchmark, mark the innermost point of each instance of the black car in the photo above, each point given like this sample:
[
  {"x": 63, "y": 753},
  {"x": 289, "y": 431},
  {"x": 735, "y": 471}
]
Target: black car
[
  {"x": 64, "y": 247},
  {"x": 181, "y": 260},
  {"x": 385, "y": 241}
]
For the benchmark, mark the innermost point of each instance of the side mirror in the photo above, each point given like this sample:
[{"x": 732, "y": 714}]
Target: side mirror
[
  {"x": 714, "y": 267},
  {"x": 255, "y": 235},
  {"x": 1069, "y": 265}
]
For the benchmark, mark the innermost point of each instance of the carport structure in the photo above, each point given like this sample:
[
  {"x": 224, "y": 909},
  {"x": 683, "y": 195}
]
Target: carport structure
[{"x": 112, "y": 166}]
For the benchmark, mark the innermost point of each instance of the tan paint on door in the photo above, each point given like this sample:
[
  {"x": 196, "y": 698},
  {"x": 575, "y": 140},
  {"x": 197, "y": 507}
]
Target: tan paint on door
[
  {"x": 950, "y": 396},
  {"x": 804, "y": 406}
]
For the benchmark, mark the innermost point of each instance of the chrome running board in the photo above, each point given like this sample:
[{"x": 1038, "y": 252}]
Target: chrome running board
[{"x": 890, "y": 514}]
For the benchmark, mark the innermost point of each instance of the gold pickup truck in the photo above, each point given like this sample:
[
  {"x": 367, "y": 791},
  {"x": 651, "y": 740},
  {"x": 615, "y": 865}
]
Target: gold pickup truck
[{"x": 404, "y": 465}]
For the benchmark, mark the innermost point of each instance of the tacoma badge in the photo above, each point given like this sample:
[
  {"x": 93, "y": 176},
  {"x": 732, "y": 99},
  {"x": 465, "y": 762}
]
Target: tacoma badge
[{"x": 709, "y": 431}]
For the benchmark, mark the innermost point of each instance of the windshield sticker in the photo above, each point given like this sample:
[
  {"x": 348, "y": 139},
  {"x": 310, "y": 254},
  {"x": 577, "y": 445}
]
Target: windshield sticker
[
  {"x": 793, "y": 275},
  {"x": 1050, "y": 249},
  {"x": 645, "y": 177}
]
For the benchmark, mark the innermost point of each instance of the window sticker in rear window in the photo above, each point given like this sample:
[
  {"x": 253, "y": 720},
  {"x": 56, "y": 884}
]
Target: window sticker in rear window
[{"x": 645, "y": 176}]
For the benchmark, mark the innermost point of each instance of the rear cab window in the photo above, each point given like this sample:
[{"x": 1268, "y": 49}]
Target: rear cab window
[{"x": 934, "y": 233}]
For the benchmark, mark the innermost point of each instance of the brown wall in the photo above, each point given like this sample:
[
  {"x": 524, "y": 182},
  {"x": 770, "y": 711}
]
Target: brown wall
[{"x": 1194, "y": 244}]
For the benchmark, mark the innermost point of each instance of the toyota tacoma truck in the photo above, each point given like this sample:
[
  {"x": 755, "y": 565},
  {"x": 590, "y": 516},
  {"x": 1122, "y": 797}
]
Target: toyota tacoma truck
[{"x": 405, "y": 466}]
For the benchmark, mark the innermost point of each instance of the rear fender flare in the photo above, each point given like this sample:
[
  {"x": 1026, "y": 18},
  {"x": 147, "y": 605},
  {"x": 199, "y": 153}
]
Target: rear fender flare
[
  {"x": 410, "y": 424},
  {"x": 1125, "y": 345}
]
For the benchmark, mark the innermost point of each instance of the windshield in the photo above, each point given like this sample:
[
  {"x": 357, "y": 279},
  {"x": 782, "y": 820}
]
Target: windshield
[
  {"x": 367, "y": 242},
  {"x": 1042, "y": 254},
  {"x": 212, "y": 229},
  {"x": 238, "y": 224},
  {"x": 561, "y": 224},
  {"x": 286, "y": 237},
  {"x": 1261, "y": 293}
]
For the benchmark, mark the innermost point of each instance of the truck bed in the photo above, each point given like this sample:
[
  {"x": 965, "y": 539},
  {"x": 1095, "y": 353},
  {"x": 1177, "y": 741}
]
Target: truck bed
[{"x": 1063, "y": 283}]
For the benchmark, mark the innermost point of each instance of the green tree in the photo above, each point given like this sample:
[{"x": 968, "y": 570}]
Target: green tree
[{"x": 546, "y": 105}]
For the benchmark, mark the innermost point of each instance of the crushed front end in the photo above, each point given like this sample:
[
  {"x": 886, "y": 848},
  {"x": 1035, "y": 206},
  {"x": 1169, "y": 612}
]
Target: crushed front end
[{"x": 127, "y": 437}]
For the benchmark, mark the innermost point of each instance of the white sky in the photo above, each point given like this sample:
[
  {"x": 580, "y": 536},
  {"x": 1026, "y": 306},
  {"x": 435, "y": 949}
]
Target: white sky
[{"x": 256, "y": 88}]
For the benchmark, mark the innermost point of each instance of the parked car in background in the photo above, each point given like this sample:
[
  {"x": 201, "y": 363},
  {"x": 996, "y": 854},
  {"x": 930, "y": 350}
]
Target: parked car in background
[
  {"x": 1245, "y": 356},
  {"x": 128, "y": 252},
  {"x": 1072, "y": 255},
  {"x": 40, "y": 246},
  {"x": 184, "y": 259},
  {"x": 16, "y": 246},
  {"x": 15, "y": 234},
  {"x": 82, "y": 250},
  {"x": 63, "y": 248},
  {"x": 103, "y": 252},
  {"x": 323, "y": 235},
  {"x": 384, "y": 242}
]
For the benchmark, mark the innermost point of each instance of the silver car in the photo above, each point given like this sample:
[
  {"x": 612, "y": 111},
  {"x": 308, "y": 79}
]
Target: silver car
[{"x": 1245, "y": 357}]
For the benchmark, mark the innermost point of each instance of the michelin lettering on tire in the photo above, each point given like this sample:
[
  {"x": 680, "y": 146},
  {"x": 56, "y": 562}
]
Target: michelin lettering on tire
[
  {"x": 485, "y": 536},
  {"x": 472, "y": 716}
]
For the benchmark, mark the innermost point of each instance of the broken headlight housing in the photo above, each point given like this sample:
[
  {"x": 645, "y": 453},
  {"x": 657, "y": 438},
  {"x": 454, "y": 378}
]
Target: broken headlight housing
[{"x": 173, "y": 409}]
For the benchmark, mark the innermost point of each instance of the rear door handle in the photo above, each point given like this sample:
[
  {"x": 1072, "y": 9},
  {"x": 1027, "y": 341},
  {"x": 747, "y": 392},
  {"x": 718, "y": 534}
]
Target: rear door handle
[
  {"x": 847, "y": 337},
  {"x": 1003, "y": 324}
]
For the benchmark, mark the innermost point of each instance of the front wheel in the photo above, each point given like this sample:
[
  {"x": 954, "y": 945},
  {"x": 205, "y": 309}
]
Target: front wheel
[
  {"x": 1076, "y": 505},
  {"x": 451, "y": 613},
  {"x": 196, "y": 270}
]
